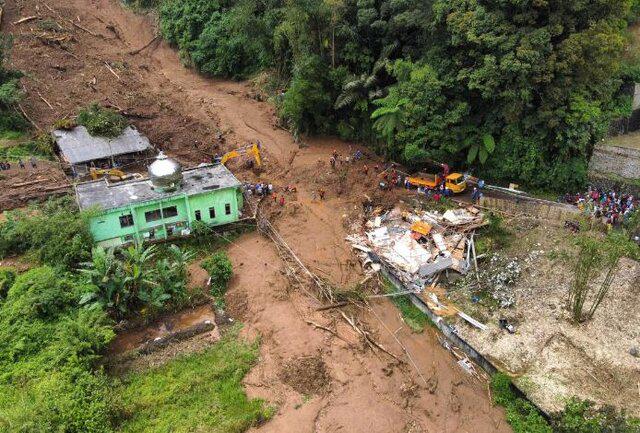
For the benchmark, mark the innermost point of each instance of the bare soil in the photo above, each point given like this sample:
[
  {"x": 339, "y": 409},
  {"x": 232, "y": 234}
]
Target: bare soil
[
  {"x": 19, "y": 186},
  {"x": 184, "y": 114}
]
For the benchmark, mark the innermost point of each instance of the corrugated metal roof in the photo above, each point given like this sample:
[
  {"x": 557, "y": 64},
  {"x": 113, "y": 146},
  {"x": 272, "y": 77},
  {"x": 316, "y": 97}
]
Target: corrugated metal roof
[
  {"x": 111, "y": 196},
  {"x": 78, "y": 146}
]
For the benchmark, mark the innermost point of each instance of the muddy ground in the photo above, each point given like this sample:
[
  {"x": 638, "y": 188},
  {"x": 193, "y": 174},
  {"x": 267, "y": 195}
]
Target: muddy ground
[{"x": 65, "y": 53}]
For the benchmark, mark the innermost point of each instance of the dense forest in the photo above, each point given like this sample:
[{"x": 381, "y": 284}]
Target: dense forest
[{"x": 514, "y": 89}]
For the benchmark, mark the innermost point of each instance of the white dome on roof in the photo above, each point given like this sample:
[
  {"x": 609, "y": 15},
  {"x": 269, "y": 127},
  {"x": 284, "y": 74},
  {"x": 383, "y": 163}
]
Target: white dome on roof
[{"x": 165, "y": 173}]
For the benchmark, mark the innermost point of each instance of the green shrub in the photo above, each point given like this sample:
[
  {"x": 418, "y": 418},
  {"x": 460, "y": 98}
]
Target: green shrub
[
  {"x": 7, "y": 277},
  {"x": 494, "y": 236},
  {"x": 48, "y": 351},
  {"x": 135, "y": 280},
  {"x": 413, "y": 317},
  {"x": 69, "y": 400},
  {"x": 101, "y": 121},
  {"x": 41, "y": 147},
  {"x": 585, "y": 417},
  {"x": 220, "y": 270},
  {"x": 521, "y": 415},
  {"x": 55, "y": 233}
]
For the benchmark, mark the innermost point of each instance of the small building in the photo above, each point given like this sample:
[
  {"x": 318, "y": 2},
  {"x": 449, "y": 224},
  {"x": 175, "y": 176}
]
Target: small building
[
  {"x": 82, "y": 150},
  {"x": 164, "y": 206}
]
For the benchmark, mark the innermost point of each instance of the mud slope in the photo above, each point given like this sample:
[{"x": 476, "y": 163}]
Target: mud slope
[{"x": 342, "y": 387}]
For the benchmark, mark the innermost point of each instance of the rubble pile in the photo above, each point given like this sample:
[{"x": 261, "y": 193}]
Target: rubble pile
[
  {"x": 418, "y": 245},
  {"x": 502, "y": 280}
]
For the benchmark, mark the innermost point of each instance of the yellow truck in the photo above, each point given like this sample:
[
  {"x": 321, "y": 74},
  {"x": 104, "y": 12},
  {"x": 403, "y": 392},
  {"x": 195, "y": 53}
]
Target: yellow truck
[{"x": 455, "y": 181}]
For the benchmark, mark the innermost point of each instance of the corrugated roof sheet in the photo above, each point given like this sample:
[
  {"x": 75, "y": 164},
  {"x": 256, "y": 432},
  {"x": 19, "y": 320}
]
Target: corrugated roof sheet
[
  {"x": 78, "y": 146},
  {"x": 111, "y": 196}
]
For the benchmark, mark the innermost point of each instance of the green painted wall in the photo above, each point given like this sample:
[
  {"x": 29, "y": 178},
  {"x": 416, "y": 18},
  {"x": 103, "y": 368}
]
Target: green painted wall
[{"x": 106, "y": 229}]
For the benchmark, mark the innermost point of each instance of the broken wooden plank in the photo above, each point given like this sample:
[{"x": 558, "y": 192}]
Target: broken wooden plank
[{"x": 473, "y": 321}]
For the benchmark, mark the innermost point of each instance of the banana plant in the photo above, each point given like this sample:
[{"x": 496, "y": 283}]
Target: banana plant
[{"x": 108, "y": 289}]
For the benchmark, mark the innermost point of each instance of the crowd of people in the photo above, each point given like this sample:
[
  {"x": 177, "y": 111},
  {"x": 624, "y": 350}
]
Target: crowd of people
[{"x": 612, "y": 206}]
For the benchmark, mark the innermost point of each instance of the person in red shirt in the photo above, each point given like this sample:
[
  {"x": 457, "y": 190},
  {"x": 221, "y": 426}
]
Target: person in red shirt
[{"x": 281, "y": 200}]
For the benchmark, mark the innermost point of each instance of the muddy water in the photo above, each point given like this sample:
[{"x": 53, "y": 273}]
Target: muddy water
[{"x": 133, "y": 338}]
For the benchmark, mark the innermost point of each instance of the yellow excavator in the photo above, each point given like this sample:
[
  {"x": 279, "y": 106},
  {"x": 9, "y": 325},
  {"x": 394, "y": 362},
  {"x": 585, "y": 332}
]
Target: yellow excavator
[
  {"x": 97, "y": 173},
  {"x": 251, "y": 149},
  {"x": 113, "y": 174}
]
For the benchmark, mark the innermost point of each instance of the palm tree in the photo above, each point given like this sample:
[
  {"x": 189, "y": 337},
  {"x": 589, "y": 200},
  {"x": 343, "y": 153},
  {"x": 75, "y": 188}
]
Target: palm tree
[
  {"x": 388, "y": 117},
  {"x": 362, "y": 89}
]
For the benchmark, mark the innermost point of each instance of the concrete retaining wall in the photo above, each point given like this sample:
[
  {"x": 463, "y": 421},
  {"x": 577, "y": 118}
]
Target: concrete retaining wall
[
  {"x": 447, "y": 331},
  {"x": 622, "y": 162},
  {"x": 554, "y": 213}
]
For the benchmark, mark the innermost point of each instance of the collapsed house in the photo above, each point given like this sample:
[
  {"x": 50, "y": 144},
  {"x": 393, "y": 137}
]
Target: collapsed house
[
  {"x": 83, "y": 151},
  {"x": 417, "y": 245}
]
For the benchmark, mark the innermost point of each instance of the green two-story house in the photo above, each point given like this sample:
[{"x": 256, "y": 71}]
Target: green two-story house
[{"x": 163, "y": 206}]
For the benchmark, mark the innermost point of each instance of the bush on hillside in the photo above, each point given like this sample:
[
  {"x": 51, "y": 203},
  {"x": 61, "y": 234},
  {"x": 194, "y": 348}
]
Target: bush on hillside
[
  {"x": 7, "y": 277},
  {"x": 54, "y": 233},
  {"x": 101, "y": 121},
  {"x": 48, "y": 352},
  {"x": 220, "y": 270}
]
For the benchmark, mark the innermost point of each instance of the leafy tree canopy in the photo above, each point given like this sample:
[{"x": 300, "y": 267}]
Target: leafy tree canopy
[{"x": 517, "y": 89}]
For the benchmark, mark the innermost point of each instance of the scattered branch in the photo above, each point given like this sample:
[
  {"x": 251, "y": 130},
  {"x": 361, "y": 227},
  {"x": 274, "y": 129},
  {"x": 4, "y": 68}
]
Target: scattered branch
[
  {"x": 25, "y": 20},
  {"x": 24, "y": 113},
  {"x": 332, "y": 306},
  {"x": 112, "y": 71},
  {"x": 329, "y": 330},
  {"x": 75, "y": 24},
  {"x": 45, "y": 101},
  {"x": 134, "y": 52}
]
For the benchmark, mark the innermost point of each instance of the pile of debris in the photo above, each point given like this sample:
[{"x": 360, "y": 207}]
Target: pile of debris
[{"x": 418, "y": 245}]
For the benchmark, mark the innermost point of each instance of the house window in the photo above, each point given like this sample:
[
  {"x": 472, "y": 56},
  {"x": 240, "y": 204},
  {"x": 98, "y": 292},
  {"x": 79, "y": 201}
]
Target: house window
[
  {"x": 170, "y": 212},
  {"x": 153, "y": 215},
  {"x": 198, "y": 216},
  {"x": 126, "y": 221},
  {"x": 227, "y": 209},
  {"x": 212, "y": 212}
]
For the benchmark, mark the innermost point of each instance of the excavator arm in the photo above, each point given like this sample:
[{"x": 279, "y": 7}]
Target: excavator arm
[
  {"x": 97, "y": 173},
  {"x": 254, "y": 150},
  {"x": 229, "y": 155}
]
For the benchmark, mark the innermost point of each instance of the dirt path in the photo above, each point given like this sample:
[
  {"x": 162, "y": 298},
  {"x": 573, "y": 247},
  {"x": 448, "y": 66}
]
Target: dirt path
[{"x": 181, "y": 112}]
